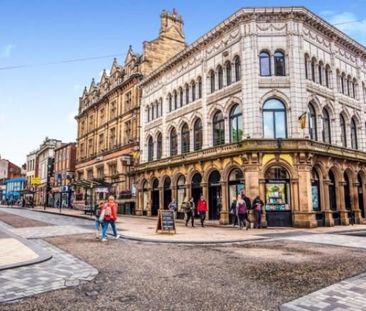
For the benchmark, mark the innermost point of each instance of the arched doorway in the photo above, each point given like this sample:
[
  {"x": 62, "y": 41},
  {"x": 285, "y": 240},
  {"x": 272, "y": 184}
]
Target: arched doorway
[
  {"x": 196, "y": 187},
  {"x": 181, "y": 191},
  {"x": 347, "y": 194},
  {"x": 155, "y": 197},
  {"x": 277, "y": 188},
  {"x": 236, "y": 184},
  {"x": 315, "y": 197},
  {"x": 360, "y": 195},
  {"x": 214, "y": 196},
  {"x": 167, "y": 191},
  {"x": 333, "y": 198}
]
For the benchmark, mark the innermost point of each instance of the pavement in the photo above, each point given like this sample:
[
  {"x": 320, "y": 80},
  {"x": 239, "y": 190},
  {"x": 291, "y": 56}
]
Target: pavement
[{"x": 348, "y": 294}]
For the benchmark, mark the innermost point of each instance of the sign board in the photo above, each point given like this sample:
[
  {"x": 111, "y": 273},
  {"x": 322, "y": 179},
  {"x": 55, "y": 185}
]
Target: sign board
[
  {"x": 35, "y": 181},
  {"x": 166, "y": 222},
  {"x": 101, "y": 190}
]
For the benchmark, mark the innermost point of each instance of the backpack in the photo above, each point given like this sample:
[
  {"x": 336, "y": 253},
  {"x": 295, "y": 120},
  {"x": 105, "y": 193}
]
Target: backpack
[{"x": 242, "y": 208}]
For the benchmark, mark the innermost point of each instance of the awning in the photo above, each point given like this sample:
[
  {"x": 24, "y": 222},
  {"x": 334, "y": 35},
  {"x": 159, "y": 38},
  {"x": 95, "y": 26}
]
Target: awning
[{"x": 83, "y": 183}]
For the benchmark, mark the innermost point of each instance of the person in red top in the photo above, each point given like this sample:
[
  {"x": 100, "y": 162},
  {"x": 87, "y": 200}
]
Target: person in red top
[
  {"x": 109, "y": 213},
  {"x": 202, "y": 209}
]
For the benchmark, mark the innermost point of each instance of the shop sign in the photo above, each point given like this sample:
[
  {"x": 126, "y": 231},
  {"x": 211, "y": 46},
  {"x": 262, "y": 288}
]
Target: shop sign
[
  {"x": 101, "y": 190},
  {"x": 35, "y": 181}
]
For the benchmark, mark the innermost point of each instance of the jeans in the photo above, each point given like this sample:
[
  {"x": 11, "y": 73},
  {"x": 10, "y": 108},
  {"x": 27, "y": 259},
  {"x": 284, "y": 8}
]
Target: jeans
[
  {"x": 202, "y": 217},
  {"x": 242, "y": 219},
  {"x": 258, "y": 219},
  {"x": 234, "y": 219},
  {"x": 98, "y": 224},
  {"x": 190, "y": 215},
  {"x": 105, "y": 228}
]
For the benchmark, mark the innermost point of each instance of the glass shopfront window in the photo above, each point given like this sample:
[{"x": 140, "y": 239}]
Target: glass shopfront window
[
  {"x": 315, "y": 191},
  {"x": 236, "y": 184},
  {"x": 181, "y": 191},
  {"x": 277, "y": 189}
]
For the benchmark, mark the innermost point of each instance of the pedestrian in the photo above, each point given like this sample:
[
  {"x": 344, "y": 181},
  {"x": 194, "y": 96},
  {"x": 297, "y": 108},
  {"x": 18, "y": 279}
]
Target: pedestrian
[
  {"x": 98, "y": 223},
  {"x": 242, "y": 212},
  {"x": 234, "y": 217},
  {"x": 190, "y": 212},
  {"x": 202, "y": 209},
  {"x": 248, "y": 204},
  {"x": 109, "y": 213},
  {"x": 173, "y": 207},
  {"x": 258, "y": 208}
]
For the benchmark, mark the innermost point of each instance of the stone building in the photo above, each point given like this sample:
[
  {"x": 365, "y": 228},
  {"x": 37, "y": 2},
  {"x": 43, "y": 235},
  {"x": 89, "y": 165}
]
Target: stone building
[
  {"x": 64, "y": 174},
  {"x": 272, "y": 100},
  {"x": 109, "y": 119}
]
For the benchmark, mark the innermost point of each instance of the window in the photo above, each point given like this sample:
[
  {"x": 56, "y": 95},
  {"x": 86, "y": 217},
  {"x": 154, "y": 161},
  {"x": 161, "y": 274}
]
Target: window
[
  {"x": 100, "y": 172},
  {"x": 187, "y": 94},
  {"x": 343, "y": 131},
  {"x": 159, "y": 146},
  {"x": 320, "y": 73},
  {"x": 113, "y": 169},
  {"x": 212, "y": 81},
  {"x": 200, "y": 87},
  {"x": 113, "y": 110},
  {"x": 193, "y": 91},
  {"x": 220, "y": 75},
  {"x": 175, "y": 99},
  {"x": 157, "y": 110},
  {"x": 354, "y": 90},
  {"x": 173, "y": 142},
  {"x": 237, "y": 68},
  {"x": 101, "y": 142},
  {"x": 150, "y": 149},
  {"x": 327, "y": 76},
  {"x": 279, "y": 63},
  {"x": 348, "y": 86},
  {"x": 274, "y": 119},
  {"x": 343, "y": 78},
  {"x": 312, "y": 122},
  {"x": 90, "y": 146},
  {"x": 218, "y": 129},
  {"x": 306, "y": 67},
  {"x": 185, "y": 138},
  {"x": 170, "y": 102},
  {"x": 161, "y": 107},
  {"x": 101, "y": 116},
  {"x": 354, "y": 143},
  {"x": 128, "y": 133},
  {"x": 89, "y": 174},
  {"x": 236, "y": 124},
  {"x": 326, "y": 127},
  {"x": 152, "y": 112},
  {"x": 313, "y": 61},
  {"x": 197, "y": 135},
  {"x": 265, "y": 64},
  {"x": 180, "y": 97},
  {"x": 228, "y": 73},
  {"x": 112, "y": 138},
  {"x": 148, "y": 113},
  {"x": 128, "y": 101}
]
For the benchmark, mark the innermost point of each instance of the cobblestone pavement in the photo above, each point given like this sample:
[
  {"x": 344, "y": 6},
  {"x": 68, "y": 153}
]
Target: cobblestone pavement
[
  {"x": 43, "y": 232},
  {"x": 61, "y": 271},
  {"x": 347, "y": 295}
]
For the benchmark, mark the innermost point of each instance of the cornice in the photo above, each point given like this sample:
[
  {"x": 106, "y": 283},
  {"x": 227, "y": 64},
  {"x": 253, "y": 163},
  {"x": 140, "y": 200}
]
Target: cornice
[{"x": 260, "y": 14}]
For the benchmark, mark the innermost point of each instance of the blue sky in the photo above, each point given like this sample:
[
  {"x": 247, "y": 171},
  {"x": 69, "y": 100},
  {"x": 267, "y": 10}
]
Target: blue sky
[{"x": 41, "y": 101}]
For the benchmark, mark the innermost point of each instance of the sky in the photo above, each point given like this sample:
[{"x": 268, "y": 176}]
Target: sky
[{"x": 41, "y": 100}]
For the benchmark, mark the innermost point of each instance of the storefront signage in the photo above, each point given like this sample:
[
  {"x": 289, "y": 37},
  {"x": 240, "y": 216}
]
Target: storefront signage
[
  {"x": 35, "y": 181},
  {"x": 101, "y": 190},
  {"x": 166, "y": 222}
]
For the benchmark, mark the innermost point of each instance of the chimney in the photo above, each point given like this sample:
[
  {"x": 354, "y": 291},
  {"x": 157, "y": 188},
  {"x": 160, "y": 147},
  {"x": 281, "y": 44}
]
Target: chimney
[{"x": 170, "y": 24}]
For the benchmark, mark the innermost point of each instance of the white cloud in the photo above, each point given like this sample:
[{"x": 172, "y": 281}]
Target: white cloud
[
  {"x": 349, "y": 24},
  {"x": 71, "y": 118},
  {"x": 5, "y": 51}
]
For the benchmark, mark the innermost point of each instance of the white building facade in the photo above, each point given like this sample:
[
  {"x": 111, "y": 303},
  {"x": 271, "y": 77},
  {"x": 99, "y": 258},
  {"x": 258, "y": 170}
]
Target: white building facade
[{"x": 230, "y": 103}]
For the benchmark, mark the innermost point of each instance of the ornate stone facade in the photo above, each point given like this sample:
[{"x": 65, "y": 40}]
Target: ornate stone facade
[
  {"x": 229, "y": 119},
  {"x": 109, "y": 121}
]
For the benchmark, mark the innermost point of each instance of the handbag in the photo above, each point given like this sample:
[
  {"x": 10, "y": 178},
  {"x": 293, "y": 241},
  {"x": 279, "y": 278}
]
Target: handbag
[{"x": 101, "y": 216}]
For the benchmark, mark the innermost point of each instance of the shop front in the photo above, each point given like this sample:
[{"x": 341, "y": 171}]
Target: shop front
[
  {"x": 277, "y": 197},
  {"x": 315, "y": 198},
  {"x": 155, "y": 197},
  {"x": 167, "y": 192},
  {"x": 214, "y": 196},
  {"x": 196, "y": 187}
]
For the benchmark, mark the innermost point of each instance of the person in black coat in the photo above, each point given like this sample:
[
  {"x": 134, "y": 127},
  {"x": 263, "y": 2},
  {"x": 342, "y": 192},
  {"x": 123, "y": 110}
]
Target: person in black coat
[
  {"x": 258, "y": 208},
  {"x": 234, "y": 218},
  {"x": 248, "y": 203}
]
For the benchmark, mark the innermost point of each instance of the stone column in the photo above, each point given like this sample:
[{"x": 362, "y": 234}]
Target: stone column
[
  {"x": 343, "y": 213},
  {"x": 328, "y": 214},
  {"x": 355, "y": 206},
  {"x": 205, "y": 194},
  {"x": 161, "y": 197},
  {"x": 224, "y": 213},
  {"x": 262, "y": 195},
  {"x": 139, "y": 202},
  {"x": 148, "y": 204},
  {"x": 189, "y": 191}
]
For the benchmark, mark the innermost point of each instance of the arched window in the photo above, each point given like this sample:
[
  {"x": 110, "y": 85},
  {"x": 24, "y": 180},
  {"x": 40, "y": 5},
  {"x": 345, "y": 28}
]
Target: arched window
[
  {"x": 354, "y": 89},
  {"x": 170, "y": 102},
  {"x": 354, "y": 143},
  {"x": 279, "y": 63},
  {"x": 159, "y": 146},
  {"x": 320, "y": 73},
  {"x": 199, "y": 87},
  {"x": 218, "y": 129},
  {"x": 175, "y": 95},
  {"x": 306, "y": 66},
  {"x": 312, "y": 122},
  {"x": 220, "y": 75},
  {"x": 157, "y": 113},
  {"x": 313, "y": 64},
  {"x": 150, "y": 148},
  {"x": 343, "y": 81},
  {"x": 180, "y": 97},
  {"x": 236, "y": 124},
  {"x": 212, "y": 81},
  {"x": 228, "y": 72},
  {"x": 193, "y": 91},
  {"x": 173, "y": 142},
  {"x": 274, "y": 119},
  {"x": 152, "y": 111},
  {"x": 326, "y": 127},
  {"x": 161, "y": 106},
  {"x": 148, "y": 113},
  {"x": 327, "y": 76},
  {"x": 237, "y": 69},
  {"x": 343, "y": 131},
  {"x": 265, "y": 64},
  {"x": 197, "y": 135},
  {"x": 348, "y": 81},
  {"x": 185, "y": 138},
  {"x": 187, "y": 94}
]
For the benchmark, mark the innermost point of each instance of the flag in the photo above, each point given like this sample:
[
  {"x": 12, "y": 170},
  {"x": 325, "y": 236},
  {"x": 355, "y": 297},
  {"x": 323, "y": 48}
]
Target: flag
[{"x": 302, "y": 120}]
